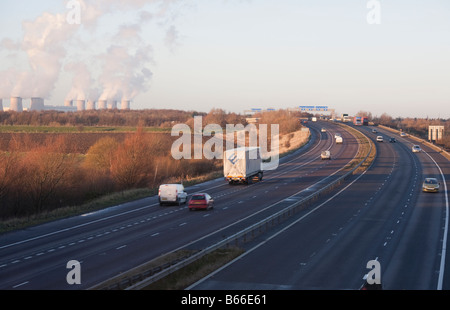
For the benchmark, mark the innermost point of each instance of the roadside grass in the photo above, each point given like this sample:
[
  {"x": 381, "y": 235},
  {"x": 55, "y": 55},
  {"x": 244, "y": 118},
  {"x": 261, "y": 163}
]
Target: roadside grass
[
  {"x": 108, "y": 200},
  {"x": 197, "y": 270},
  {"x": 366, "y": 146},
  {"x": 179, "y": 279},
  {"x": 64, "y": 212},
  {"x": 97, "y": 204}
]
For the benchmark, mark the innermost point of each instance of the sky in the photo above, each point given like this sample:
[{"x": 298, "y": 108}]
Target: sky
[{"x": 386, "y": 56}]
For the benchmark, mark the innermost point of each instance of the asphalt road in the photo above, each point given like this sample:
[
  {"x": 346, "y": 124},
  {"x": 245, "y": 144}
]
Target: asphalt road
[
  {"x": 112, "y": 241},
  {"x": 381, "y": 215}
]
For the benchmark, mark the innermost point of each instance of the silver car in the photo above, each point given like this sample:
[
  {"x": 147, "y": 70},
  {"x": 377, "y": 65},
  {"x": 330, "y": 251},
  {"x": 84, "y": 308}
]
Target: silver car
[
  {"x": 430, "y": 185},
  {"x": 416, "y": 149}
]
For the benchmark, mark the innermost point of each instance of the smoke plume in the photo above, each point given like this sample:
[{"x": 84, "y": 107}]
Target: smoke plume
[{"x": 117, "y": 70}]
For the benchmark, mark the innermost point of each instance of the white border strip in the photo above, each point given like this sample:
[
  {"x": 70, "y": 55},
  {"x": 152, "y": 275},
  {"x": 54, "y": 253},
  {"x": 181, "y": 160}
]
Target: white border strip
[{"x": 444, "y": 239}]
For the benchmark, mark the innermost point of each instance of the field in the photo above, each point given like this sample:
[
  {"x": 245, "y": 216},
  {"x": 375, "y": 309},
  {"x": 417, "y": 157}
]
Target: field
[
  {"x": 80, "y": 138},
  {"x": 44, "y": 168}
]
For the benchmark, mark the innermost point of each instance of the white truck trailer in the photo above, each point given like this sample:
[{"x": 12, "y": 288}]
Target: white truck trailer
[{"x": 242, "y": 165}]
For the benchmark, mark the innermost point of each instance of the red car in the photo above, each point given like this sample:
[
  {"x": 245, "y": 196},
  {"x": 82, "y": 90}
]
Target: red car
[{"x": 201, "y": 201}]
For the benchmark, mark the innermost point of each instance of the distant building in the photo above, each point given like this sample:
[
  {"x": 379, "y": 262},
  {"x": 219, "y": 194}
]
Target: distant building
[{"x": 435, "y": 133}]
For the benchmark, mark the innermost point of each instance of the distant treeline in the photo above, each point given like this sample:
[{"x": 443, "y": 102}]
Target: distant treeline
[
  {"x": 146, "y": 118},
  {"x": 417, "y": 126},
  {"x": 163, "y": 118},
  {"x": 43, "y": 172}
]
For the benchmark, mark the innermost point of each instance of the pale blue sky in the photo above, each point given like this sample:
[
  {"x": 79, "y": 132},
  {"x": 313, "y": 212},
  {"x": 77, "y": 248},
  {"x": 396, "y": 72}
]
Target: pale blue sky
[{"x": 239, "y": 55}]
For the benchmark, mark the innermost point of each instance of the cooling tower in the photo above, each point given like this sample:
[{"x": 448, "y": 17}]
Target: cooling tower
[
  {"x": 112, "y": 104},
  {"x": 125, "y": 104},
  {"x": 16, "y": 104},
  {"x": 90, "y": 105},
  {"x": 102, "y": 105},
  {"x": 68, "y": 103},
  {"x": 37, "y": 104},
  {"x": 81, "y": 105}
]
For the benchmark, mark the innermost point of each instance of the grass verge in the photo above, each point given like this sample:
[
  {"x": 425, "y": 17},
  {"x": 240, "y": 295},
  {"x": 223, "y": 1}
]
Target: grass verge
[
  {"x": 100, "y": 203},
  {"x": 197, "y": 270},
  {"x": 366, "y": 148}
]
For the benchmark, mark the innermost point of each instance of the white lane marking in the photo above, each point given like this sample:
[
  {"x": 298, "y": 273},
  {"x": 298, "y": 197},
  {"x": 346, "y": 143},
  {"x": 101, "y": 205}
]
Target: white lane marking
[
  {"x": 444, "y": 240},
  {"x": 136, "y": 223},
  {"x": 21, "y": 284},
  {"x": 74, "y": 227},
  {"x": 274, "y": 235},
  {"x": 121, "y": 247}
]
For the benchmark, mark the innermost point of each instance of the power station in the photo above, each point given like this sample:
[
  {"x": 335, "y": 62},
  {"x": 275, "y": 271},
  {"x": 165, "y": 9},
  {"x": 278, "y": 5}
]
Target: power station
[{"x": 16, "y": 104}]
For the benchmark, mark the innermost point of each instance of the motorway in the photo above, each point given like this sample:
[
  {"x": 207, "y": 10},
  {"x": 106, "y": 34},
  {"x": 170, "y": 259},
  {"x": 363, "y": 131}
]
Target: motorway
[
  {"x": 115, "y": 240},
  {"x": 380, "y": 215}
]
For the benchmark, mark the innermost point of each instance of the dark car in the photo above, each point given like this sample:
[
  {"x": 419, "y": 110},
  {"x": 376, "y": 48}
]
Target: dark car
[
  {"x": 392, "y": 140},
  {"x": 201, "y": 201}
]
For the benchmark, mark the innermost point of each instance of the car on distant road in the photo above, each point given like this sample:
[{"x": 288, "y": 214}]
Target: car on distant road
[
  {"x": 403, "y": 134},
  {"x": 337, "y": 134},
  {"x": 416, "y": 149},
  {"x": 323, "y": 130},
  {"x": 430, "y": 185},
  {"x": 201, "y": 201},
  {"x": 379, "y": 138},
  {"x": 325, "y": 155},
  {"x": 392, "y": 140},
  {"x": 374, "y": 131}
]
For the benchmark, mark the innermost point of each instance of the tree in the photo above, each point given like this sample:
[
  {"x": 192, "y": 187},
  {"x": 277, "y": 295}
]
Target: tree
[
  {"x": 8, "y": 178},
  {"x": 46, "y": 170},
  {"x": 99, "y": 156},
  {"x": 385, "y": 119},
  {"x": 131, "y": 164}
]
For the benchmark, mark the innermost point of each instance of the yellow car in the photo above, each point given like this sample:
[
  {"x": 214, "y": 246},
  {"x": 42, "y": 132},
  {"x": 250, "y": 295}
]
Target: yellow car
[{"x": 430, "y": 185}]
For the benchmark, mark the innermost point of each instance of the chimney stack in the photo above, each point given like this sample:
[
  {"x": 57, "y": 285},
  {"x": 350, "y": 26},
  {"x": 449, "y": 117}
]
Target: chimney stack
[
  {"x": 90, "y": 105},
  {"x": 112, "y": 105},
  {"x": 81, "y": 105},
  {"x": 16, "y": 104},
  {"x": 125, "y": 105},
  {"x": 102, "y": 104},
  {"x": 37, "y": 104}
]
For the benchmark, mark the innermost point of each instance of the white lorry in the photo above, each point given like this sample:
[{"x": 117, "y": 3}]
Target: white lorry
[
  {"x": 242, "y": 165},
  {"x": 339, "y": 140},
  {"x": 172, "y": 194}
]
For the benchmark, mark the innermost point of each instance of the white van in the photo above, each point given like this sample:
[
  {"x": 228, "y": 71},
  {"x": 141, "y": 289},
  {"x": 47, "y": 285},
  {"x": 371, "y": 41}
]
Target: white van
[
  {"x": 172, "y": 194},
  {"x": 325, "y": 155}
]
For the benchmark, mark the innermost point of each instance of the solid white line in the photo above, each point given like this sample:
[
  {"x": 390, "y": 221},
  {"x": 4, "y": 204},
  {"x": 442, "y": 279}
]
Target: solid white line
[
  {"x": 73, "y": 227},
  {"x": 21, "y": 284},
  {"x": 139, "y": 209},
  {"x": 275, "y": 235},
  {"x": 444, "y": 240}
]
